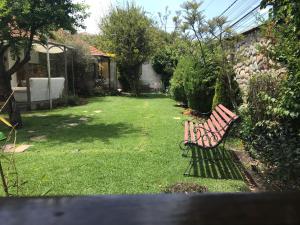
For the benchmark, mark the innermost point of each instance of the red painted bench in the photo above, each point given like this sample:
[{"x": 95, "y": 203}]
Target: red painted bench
[{"x": 211, "y": 133}]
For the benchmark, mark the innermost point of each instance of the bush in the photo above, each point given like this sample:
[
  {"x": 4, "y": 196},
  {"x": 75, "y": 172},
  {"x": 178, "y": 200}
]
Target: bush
[
  {"x": 277, "y": 144},
  {"x": 68, "y": 101},
  {"x": 164, "y": 63},
  {"x": 193, "y": 83},
  {"x": 270, "y": 136},
  {"x": 263, "y": 96},
  {"x": 222, "y": 93},
  {"x": 177, "y": 82},
  {"x": 199, "y": 86}
]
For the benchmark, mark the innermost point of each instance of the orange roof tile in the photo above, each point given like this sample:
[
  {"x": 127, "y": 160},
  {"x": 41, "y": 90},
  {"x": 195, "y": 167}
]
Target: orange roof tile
[{"x": 95, "y": 52}]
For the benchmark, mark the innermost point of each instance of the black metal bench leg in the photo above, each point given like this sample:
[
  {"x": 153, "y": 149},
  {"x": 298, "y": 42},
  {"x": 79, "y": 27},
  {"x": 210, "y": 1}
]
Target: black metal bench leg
[
  {"x": 186, "y": 151},
  {"x": 192, "y": 163},
  {"x": 188, "y": 169}
]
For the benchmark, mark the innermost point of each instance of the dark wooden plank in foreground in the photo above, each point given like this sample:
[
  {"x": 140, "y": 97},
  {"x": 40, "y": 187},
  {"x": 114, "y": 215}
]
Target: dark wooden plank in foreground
[{"x": 244, "y": 208}]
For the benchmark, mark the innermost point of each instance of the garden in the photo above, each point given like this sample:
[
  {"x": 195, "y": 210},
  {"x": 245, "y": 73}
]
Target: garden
[
  {"x": 112, "y": 145},
  {"x": 127, "y": 141}
]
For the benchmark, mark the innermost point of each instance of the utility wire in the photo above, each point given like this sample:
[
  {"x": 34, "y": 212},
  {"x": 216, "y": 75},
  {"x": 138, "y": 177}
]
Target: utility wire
[
  {"x": 232, "y": 4},
  {"x": 246, "y": 15},
  {"x": 241, "y": 9}
]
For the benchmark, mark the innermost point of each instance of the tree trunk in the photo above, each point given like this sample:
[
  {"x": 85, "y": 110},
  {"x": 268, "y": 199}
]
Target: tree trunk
[
  {"x": 135, "y": 87},
  {"x": 12, "y": 109}
]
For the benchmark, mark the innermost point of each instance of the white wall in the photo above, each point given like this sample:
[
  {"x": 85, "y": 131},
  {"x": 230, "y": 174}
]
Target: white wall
[
  {"x": 39, "y": 88},
  {"x": 150, "y": 77}
]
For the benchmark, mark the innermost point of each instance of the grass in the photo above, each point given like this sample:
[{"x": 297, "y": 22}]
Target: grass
[{"x": 112, "y": 145}]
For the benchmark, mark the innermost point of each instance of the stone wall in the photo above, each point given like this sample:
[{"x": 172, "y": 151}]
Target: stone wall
[{"x": 251, "y": 61}]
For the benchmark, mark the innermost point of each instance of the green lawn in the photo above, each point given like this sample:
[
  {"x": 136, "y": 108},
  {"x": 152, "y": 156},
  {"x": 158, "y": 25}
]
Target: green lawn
[{"x": 113, "y": 145}]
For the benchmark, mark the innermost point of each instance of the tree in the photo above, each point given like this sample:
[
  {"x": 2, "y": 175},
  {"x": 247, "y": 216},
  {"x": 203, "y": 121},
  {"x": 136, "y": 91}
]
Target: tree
[
  {"x": 127, "y": 33},
  {"x": 193, "y": 24},
  {"x": 221, "y": 41},
  {"x": 21, "y": 23},
  {"x": 164, "y": 63}
]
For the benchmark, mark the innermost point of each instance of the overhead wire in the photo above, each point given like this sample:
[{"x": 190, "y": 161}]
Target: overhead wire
[{"x": 232, "y": 4}]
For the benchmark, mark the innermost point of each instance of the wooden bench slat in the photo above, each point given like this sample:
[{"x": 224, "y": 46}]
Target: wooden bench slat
[
  {"x": 220, "y": 121},
  {"x": 211, "y": 132},
  {"x": 213, "y": 129},
  {"x": 228, "y": 112},
  {"x": 199, "y": 137},
  {"x": 217, "y": 125},
  {"x": 202, "y": 136},
  {"x": 223, "y": 115},
  {"x": 207, "y": 136},
  {"x": 192, "y": 132},
  {"x": 186, "y": 132}
]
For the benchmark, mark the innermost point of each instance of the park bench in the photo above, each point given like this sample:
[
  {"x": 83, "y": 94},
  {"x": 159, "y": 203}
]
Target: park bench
[{"x": 210, "y": 134}]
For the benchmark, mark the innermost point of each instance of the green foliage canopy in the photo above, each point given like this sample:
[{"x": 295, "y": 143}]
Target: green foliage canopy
[
  {"x": 127, "y": 33},
  {"x": 23, "y": 20}
]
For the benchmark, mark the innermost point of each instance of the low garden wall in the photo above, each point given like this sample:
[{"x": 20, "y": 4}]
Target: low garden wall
[{"x": 251, "y": 61}]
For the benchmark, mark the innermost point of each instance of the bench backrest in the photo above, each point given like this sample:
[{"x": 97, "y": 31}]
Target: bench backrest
[{"x": 222, "y": 117}]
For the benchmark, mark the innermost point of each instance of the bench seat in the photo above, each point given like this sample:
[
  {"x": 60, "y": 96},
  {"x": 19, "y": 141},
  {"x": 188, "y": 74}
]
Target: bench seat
[{"x": 210, "y": 133}]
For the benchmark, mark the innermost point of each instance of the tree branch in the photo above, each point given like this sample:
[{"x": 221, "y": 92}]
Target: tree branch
[
  {"x": 20, "y": 63},
  {"x": 199, "y": 40}
]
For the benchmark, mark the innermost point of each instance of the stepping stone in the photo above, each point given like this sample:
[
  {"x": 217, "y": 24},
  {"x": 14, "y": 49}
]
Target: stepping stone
[
  {"x": 31, "y": 131},
  {"x": 41, "y": 115},
  {"x": 10, "y": 148},
  {"x": 83, "y": 119},
  {"x": 73, "y": 124},
  {"x": 98, "y": 111},
  {"x": 39, "y": 138}
]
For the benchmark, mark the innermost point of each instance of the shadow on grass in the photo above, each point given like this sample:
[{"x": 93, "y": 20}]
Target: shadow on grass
[
  {"x": 216, "y": 163},
  {"x": 150, "y": 96},
  {"x": 59, "y": 129}
]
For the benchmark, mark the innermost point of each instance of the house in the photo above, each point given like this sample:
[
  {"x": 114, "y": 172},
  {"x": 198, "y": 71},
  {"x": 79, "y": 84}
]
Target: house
[
  {"x": 33, "y": 85},
  {"x": 107, "y": 68},
  {"x": 42, "y": 81}
]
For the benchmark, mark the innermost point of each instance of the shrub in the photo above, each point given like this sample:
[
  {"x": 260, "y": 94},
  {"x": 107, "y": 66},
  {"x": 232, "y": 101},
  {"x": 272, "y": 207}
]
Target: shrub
[
  {"x": 222, "y": 94},
  {"x": 269, "y": 135},
  {"x": 193, "y": 83},
  {"x": 263, "y": 95},
  {"x": 199, "y": 86},
  {"x": 277, "y": 144},
  {"x": 177, "y": 82},
  {"x": 164, "y": 63},
  {"x": 68, "y": 101}
]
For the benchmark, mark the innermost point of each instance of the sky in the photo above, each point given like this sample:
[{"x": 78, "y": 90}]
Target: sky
[{"x": 100, "y": 8}]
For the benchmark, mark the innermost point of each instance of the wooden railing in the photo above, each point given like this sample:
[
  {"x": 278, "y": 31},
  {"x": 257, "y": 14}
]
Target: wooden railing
[{"x": 244, "y": 208}]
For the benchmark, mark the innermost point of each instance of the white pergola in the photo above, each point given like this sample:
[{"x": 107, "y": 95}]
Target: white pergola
[{"x": 54, "y": 48}]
